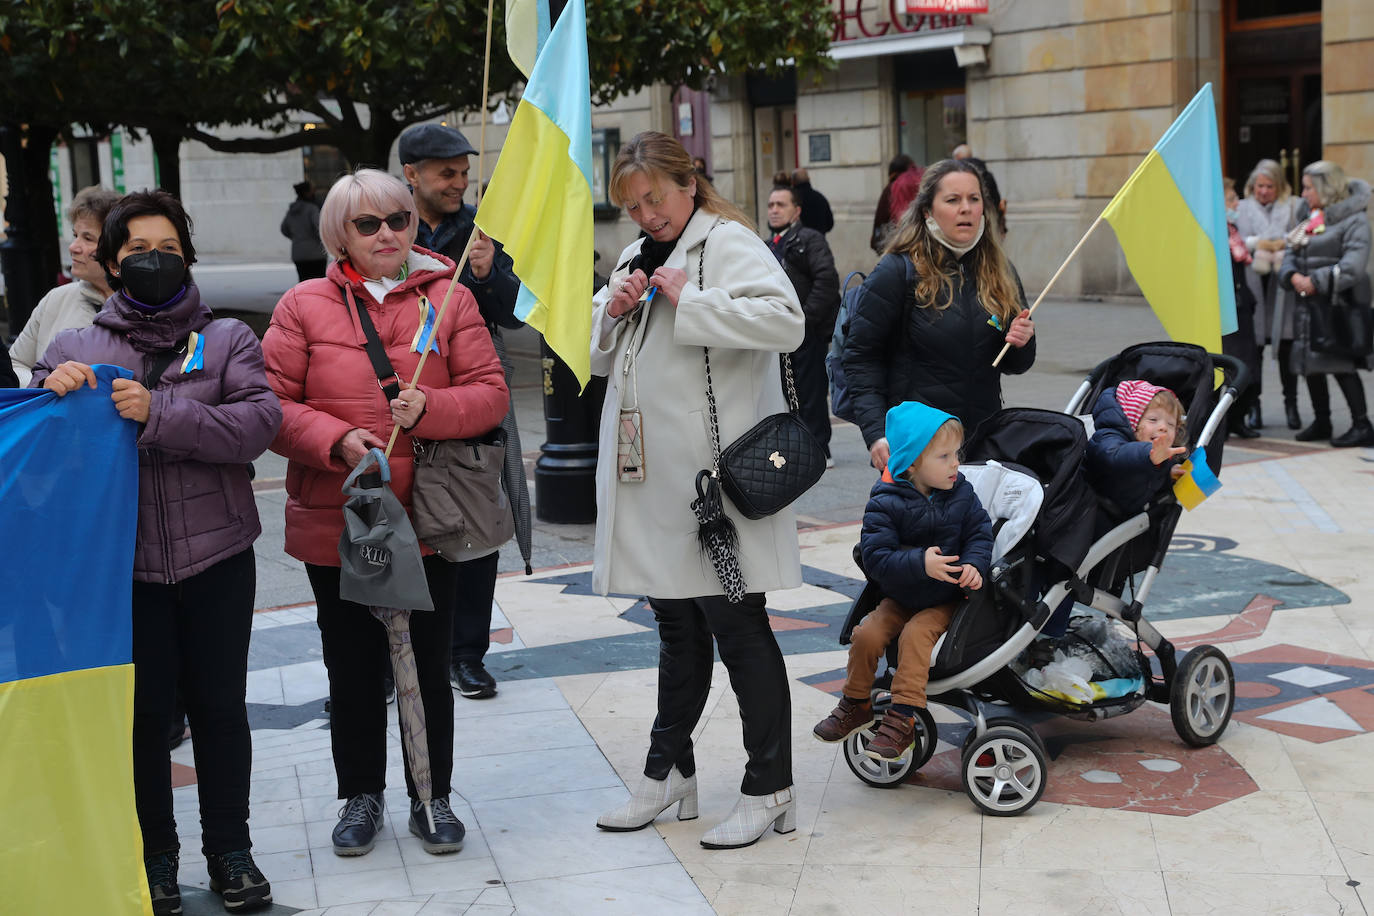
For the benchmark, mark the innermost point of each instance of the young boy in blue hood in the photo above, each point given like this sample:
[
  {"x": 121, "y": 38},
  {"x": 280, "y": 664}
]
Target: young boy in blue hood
[{"x": 926, "y": 538}]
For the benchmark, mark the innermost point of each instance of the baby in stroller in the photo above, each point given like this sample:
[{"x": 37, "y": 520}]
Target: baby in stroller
[
  {"x": 926, "y": 538},
  {"x": 1139, "y": 432}
]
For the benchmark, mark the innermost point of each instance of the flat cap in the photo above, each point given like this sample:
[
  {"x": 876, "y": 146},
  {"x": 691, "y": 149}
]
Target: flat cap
[{"x": 433, "y": 141}]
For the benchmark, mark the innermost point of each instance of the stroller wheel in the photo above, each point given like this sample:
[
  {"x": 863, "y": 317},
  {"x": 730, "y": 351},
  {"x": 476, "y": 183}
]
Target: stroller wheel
[
  {"x": 887, "y": 774},
  {"x": 1202, "y": 696},
  {"x": 1003, "y": 771}
]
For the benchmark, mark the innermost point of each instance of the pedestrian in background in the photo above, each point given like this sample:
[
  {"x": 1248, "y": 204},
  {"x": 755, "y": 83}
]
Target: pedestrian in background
[
  {"x": 204, "y": 409},
  {"x": 302, "y": 226},
  {"x": 1327, "y": 263},
  {"x": 71, "y": 305},
  {"x": 717, "y": 287},
  {"x": 1263, "y": 218},
  {"x": 1241, "y": 342},
  {"x": 815, "y": 208},
  {"x": 935, "y": 312},
  {"x": 809, "y": 264},
  {"x": 333, "y": 410},
  {"x": 883, "y": 217},
  {"x": 434, "y": 159}
]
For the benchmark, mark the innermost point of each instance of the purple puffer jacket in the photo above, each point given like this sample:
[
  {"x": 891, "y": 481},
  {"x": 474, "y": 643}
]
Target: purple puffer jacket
[{"x": 195, "y": 500}]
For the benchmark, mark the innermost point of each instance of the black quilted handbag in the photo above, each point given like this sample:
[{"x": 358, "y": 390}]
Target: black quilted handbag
[{"x": 768, "y": 467}]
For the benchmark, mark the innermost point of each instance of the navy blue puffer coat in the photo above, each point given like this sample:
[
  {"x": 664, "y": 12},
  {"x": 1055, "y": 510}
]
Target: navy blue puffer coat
[{"x": 900, "y": 523}]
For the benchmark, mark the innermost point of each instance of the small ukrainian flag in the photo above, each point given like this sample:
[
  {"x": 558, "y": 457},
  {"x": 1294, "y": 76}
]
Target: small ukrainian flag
[{"x": 1197, "y": 483}]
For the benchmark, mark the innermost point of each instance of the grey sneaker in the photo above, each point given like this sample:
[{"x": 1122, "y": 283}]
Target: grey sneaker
[
  {"x": 359, "y": 820},
  {"x": 236, "y": 878},
  {"x": 162, "y": 883}
]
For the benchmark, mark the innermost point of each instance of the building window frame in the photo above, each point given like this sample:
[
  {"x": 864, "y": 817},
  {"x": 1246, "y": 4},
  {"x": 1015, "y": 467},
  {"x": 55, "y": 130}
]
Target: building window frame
[{"x": 605, "y": 147}]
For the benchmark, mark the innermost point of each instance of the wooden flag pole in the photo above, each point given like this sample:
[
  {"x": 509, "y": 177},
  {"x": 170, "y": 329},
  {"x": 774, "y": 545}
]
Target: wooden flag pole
[
  {"x": 1038, "y": 298},
  {"x": 472, "y": 236}
]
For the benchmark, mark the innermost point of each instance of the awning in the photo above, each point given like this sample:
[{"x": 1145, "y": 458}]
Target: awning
[{"x": 907, "y": 42}]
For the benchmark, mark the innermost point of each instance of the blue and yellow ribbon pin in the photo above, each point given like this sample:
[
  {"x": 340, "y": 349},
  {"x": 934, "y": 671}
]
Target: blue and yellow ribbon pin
[
  {"x": 425, "y": 333},
  {"x": 195, "y": 353}
]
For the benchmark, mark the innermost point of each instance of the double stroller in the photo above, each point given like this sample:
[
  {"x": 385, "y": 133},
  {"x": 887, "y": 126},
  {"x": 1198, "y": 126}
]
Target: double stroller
[{"x": 1055, "y": 538}]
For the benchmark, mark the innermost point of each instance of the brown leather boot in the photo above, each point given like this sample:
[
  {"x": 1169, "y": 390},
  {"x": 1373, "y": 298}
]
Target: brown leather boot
[
  {"x": 896, "y": 734},
  {"x": 845, "y": 720}
]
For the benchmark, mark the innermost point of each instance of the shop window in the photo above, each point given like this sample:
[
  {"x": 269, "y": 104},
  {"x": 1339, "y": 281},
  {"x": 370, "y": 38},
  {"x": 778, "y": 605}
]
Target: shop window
[
  {"x": 85, "y": 159},
  {"x": 931, "y": 124},
  {"x": 323, "y": 166}
]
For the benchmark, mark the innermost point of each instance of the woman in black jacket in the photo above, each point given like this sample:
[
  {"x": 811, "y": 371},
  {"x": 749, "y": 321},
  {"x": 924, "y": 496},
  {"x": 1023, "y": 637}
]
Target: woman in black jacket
[{"x": 935, "y": 312}]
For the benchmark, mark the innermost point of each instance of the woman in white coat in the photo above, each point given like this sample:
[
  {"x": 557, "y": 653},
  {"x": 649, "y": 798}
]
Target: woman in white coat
[{"x": 745, "y": 310}]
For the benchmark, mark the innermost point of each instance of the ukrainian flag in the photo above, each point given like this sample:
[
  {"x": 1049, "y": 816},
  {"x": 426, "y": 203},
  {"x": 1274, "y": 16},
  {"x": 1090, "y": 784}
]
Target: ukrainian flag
[
  {"x": 1170, "y": 218},
  {"x": 539, "y": 202},
  {"x": 68, "y": 509},
  {"x": 527, "y": 31},
  {"x": 1197, "y": 483}
]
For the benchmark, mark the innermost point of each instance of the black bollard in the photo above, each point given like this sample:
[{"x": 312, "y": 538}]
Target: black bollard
[
  {"x": 19, "y": 256},
  {"x": 565, "y": 473}
]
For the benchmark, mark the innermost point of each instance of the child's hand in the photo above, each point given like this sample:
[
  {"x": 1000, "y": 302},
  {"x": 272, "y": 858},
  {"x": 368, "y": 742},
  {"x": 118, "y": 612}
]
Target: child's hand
[
  {"x": 1161, "y": 451},
  {"x": 1176, "y": 472},
  {"x": 940, "y": 567},
  {"x": 970, "y": 578}
]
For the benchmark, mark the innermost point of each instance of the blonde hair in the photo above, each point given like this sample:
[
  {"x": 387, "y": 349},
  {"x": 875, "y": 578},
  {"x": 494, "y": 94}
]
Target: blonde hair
[
  {"x": 94, "y": 203},
  {"x": 936, "y": 265},
  {"x": 1328, "y": 180},
  {"x": 363, "y": 189},
  {"x": 1274, "y": 172},
  {"x": 1170, "y": 402},
  {"x": 947, "y": 431},
  {"x": 662, "y": 160}
]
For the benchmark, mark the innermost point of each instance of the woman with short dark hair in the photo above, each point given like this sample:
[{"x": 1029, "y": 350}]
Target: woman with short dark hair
[{"x": 204, "y": 411}]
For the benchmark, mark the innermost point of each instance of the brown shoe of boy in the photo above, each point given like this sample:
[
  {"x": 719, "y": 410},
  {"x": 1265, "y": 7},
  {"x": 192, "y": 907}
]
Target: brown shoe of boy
[
  {"x": 847, "y": 718},
  {"x": 896, "y": 734}
]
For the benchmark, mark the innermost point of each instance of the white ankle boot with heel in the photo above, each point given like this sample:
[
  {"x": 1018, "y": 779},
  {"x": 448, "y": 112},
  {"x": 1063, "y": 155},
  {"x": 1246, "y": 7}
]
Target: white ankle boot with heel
[
  {"x": 751, "y": 818},
  {"x": 650, "y": 798}
]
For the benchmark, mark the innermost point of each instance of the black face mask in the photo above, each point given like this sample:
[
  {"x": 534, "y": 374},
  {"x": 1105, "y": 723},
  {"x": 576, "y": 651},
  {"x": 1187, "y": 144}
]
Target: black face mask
[{"x": 152, "y": 277}]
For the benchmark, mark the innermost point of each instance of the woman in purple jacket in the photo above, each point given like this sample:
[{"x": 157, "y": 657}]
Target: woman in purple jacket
[{"x": 204, "y": 410}]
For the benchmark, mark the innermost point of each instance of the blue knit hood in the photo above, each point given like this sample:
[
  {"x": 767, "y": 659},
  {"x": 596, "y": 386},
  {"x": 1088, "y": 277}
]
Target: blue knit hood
[{"x": 910, "y": 427}]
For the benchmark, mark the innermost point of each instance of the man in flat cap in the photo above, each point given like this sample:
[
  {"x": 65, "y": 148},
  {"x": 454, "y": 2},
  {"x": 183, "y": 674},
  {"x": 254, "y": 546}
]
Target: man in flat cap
[{"x": 434, "y": 158}]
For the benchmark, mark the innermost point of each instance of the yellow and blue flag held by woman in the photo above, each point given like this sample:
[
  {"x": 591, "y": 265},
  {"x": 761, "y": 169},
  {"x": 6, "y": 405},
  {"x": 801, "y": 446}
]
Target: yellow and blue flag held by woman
[
  {"x": 1170, "y": 218},
  {"x": 68, "y": 510}
]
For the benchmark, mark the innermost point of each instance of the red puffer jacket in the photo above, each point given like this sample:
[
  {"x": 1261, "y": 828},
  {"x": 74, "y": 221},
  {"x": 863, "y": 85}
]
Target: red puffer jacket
[{"x": 317, "y": 365}]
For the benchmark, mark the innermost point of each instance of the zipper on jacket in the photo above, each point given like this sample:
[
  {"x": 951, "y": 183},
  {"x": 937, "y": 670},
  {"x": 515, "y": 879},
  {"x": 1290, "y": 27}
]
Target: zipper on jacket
[{"x": 160, "y": 502}]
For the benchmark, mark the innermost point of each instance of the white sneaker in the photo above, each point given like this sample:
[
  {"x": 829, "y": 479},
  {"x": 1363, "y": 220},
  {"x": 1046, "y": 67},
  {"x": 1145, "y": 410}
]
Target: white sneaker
[
  {"x": 650, "y": 798},
  {"x": 751, "y": 818}
]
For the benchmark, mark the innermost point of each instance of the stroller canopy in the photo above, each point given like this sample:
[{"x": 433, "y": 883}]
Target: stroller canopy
[{"x": 1050, "y": 446}]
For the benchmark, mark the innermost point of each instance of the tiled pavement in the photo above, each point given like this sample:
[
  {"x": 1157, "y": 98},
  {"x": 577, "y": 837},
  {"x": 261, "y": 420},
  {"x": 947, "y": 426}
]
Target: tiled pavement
[{"x": 1273, "y": 820}]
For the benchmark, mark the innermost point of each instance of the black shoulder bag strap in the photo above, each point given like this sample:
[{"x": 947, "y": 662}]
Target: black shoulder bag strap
[{"x": 387, "y": 379}]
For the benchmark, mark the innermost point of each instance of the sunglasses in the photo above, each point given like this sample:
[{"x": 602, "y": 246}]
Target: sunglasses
[{"x": 371, "y": 225}]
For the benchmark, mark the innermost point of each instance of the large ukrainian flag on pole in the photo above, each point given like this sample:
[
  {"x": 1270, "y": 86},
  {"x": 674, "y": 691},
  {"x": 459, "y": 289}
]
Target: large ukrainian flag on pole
[
  {"x": 1170, "y": 218},
  {"x": 68, "y": 509},
  {"x": 539, "y": 202}
]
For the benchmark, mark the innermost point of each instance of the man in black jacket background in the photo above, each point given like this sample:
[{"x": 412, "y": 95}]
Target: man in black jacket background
[
  {"x": 434, "y": 159},
  {"x": 810, "y": 266}
]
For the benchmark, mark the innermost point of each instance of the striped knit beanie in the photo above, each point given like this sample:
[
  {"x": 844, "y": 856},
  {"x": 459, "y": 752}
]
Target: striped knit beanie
[{"x": 1134, "y": 396}]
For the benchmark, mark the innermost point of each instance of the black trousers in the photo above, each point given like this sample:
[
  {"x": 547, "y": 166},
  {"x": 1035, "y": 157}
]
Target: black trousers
[
  {"x": 1242, "y": 344},
  {"x": 476, "y": 588},
  {"x": 1350, "y": 386},
  {"x": 356, "y": 654},
  {"x": 195, "y": 631},
  {"x": 757, "y": 675},
  {"x": 813, "y": 386}
]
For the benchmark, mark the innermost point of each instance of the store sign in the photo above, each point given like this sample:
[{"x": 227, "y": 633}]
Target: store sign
[
  {"x": 917, "y": 7},
  {"x": 859, "y": 19}
]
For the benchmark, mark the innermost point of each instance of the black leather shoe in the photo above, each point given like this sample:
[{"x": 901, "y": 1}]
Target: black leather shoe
[
  {"x": 236, "y": 878},
  {"x": 1359, "y": 434},
  {"x": 448, "y": 832},
  {"x": 471, "y": 679},
  {"x": 1290, "y": 410},
  {"x": 359, "y": 820},
  {"x": 1253, "y": 419},
  {"x": 1242, "y": 431},
  {"x": 1318, "y": 429}
]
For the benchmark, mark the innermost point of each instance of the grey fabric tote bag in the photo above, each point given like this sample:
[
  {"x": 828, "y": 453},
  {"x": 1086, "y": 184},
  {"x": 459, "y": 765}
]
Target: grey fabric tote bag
[{"x": 379, "y": 555}]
